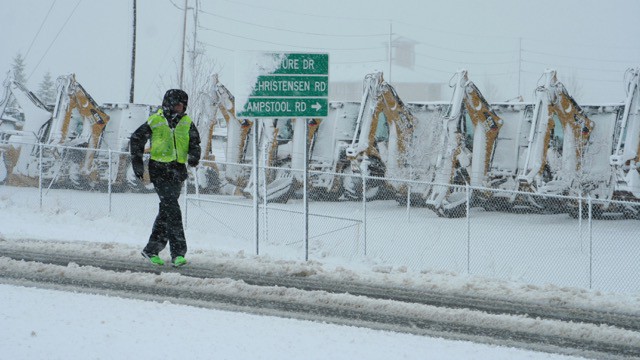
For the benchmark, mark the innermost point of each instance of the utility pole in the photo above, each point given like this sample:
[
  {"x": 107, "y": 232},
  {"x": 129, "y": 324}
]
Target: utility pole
[
  {"x": 133, "y": 56},
  {"x": 195, "y": 31},
  {"x": 184, "y": 36},
  {"x": 519, "y": 64},
  {"x": 390, "y": 47}
]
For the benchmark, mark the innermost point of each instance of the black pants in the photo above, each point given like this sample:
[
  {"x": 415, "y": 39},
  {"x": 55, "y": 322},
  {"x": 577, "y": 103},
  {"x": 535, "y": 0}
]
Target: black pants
[{"x": 168, "y": 224}]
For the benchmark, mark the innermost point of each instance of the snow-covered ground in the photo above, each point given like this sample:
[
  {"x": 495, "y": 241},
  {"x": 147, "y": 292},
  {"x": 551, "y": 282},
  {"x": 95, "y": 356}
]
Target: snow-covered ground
[
  {"x": 39, "y": 323},
  {"x": 48, "y": 324}
]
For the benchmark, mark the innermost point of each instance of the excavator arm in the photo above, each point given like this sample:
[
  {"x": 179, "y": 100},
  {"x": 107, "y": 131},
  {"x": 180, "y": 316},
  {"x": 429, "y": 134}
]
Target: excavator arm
[
  {"x": 572, "y": 118},
  {"x": 487, "y": 125},
  {"x": 237, "y": 136},
  {"x": 553, "y": 101},
  {"x": 72, "y": 96},
  {"x": 627, "y": 143},
  {"x": 456, "y": 164},
  {"x": 16, "y": 157},
  {"x": 626, "y": 153},
  {"x": 35, "y": 111},
  {"x": 381, "y": 98},
  {"x": 387, "y": 156},
  {"x": 363, "y": 145}
]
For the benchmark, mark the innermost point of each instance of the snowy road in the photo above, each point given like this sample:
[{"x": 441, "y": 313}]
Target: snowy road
[{"x": 558, "y": 328}]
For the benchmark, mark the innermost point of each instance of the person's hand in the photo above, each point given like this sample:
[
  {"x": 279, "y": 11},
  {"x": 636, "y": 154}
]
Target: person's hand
[
  {"x": 138, "y": 170},
  {"x": 193, "y": 162}
]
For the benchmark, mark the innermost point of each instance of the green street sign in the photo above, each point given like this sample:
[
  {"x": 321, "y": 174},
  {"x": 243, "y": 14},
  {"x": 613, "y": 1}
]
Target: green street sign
[
  {"x": 289, "y": 85},
  {"x": 303, "y": 64},
  {"x": 285, "y": 107}
]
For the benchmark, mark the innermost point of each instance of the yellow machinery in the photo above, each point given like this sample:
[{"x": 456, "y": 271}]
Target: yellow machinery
[
  {"x": 236, "y": 175},
  {"x": 625, "y": 159},
  {"x": 466, "y": 146},
  {"x": 380, "y": 143},
  {"x": 239, "y": 153},
  {"x": 16, "y": 134},
  {"x": 559, "y": 133},
  {"x": 77, "y": 122}
]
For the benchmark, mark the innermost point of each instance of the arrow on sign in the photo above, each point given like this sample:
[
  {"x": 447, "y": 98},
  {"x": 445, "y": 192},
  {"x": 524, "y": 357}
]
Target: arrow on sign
[{"x": 316, "y": 106}]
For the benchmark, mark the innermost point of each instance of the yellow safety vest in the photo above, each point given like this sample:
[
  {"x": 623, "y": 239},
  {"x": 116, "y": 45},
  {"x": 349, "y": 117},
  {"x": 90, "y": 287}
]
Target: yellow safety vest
[{"x": 168, "y": 144}]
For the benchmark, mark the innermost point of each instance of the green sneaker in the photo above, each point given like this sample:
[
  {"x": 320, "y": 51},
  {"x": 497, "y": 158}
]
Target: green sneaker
[
  {"x": 179, "y": 261},
  {"x": 155, "y": 259}
]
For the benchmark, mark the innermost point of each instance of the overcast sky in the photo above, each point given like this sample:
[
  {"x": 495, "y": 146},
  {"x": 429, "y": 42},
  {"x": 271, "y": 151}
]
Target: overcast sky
[{"x": 505, "y": 44}]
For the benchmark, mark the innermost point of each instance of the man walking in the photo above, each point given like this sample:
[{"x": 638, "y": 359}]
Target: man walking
[{"x": 174, "y": 143}]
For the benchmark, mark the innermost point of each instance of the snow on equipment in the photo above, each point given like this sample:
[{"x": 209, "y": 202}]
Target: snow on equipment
[
  {"x": 468, "y": 134},
  {"x": 384, "y": 131},
  {"x": 19, "y": 131}
]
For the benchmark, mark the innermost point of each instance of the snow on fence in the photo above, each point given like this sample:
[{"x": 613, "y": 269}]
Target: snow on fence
[{"x": 522, "y": 236}]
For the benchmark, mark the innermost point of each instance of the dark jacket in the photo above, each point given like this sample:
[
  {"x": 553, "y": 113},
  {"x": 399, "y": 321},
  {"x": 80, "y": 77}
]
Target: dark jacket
[{"x": 158, "y": 171}]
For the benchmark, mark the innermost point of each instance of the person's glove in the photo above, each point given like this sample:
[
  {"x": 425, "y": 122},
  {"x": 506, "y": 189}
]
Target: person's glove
[
  {"x": 193, "y": 161},
  {"x": 138, "y": 169}
]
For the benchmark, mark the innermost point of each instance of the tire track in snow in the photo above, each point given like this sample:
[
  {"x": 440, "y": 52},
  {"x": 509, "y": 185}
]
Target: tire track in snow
[{"x": 387, "y": 308}]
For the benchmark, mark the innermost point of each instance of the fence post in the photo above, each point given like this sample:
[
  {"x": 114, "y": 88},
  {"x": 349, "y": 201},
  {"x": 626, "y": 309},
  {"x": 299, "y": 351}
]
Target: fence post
[
  {"x": 409, "y": 195},
  {"x": 40, "y": 172},
  {"x": 468, "y": 204},
  {"x": 305, "y": 197},
  {"x": 590, "y": 242},
  {"x": 196, "y": 185},
  {"x": 256, "y": 208},
  {"x": 186, "y": 204},
  {"x": 408, "y": 202},
  {"x": 580, "y": 199},
  {"x": 265, "y": 208},
  {"x": 109, "y": 181},
  {"x": 364, "y": 212}
]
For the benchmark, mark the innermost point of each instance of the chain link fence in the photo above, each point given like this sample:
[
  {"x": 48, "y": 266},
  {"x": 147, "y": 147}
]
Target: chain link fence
[{"x": 522, "y": 236}]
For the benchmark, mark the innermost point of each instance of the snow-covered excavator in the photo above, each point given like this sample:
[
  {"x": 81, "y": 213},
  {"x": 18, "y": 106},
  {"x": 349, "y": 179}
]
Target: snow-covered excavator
[
  {"x": 466, "y": 146},
  {"x": 625, "y": 160},
  {"x": 276, "y": 181},
  {"x": 559, "y": 133},
  {"x": 235, "y": 177},
  {"x": 218, "y": 101},
  {"x": 328, "y": 140},
  {"x": 380, "y": 144},
  {"x": 273, "y": 137},
  {"x": 72, "y": 167},
  {"x": 22, "y": 132}
]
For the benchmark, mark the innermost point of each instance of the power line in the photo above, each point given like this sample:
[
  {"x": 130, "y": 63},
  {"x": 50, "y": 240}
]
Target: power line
[
  {"x": 578, "y": 77},
  {"x": 359, "y": 62},
  {"x": 290, "y": 45},
  {"x": 292, "y": 31},
  {"x": 573, "y": 43},
  {"x": 214, "y": 46},
  {"x": 436, "y": 70},
  {"x": 452, "y": 72},
  {"x": 474, "y": 36},
  {"x": 578, "y": 57},
  {"x": 468, "y": 62},
  {"x": 575, "y": 67},
  {"x": 466, "y": 51},
  {"x": 176, "y": 6},
  {"x": 54, "y": 39},
  {"x": 254, "y": 6},
  {"x": 40, "y": 29}
]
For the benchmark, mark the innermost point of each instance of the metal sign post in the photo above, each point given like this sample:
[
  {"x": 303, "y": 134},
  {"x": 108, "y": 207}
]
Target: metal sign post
[{"x": 290, "y": 85}]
